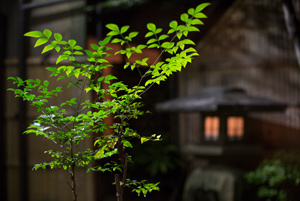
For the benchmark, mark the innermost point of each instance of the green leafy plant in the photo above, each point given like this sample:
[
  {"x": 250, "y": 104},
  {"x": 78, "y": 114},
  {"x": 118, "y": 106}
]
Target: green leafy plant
[
  {"x": 277, "y": 179},
  {"x": 72, "y": 121}
]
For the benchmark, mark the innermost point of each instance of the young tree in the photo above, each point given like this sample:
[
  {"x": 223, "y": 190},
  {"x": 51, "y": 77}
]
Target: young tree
[{"x": 69, "y": 129}]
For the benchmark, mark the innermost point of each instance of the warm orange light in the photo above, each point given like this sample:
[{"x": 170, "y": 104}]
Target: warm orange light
[
  {"x": 211, "y": 130},
  {"x": 235, "y": 127}
]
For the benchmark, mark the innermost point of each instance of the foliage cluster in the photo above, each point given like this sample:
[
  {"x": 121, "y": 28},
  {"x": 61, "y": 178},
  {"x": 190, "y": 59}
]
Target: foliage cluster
[
  {"x": 72, "y": 121},
  {"x": 277, "y": 179}
]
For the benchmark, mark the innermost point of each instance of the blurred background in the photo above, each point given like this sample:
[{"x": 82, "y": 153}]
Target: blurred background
[{"x": 234, "y": 106}]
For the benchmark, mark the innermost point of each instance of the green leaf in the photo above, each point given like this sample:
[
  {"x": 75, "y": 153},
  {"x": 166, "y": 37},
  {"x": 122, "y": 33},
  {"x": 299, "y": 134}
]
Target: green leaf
[
  {"x": 184, "y": 17},
  {"x": 133, "y": 34},
  {"x": 89, "y": 53},
  {"x": 57, "y": 48},
  {"x": 196, "y": 22},
  {"x": 191, "y": 11},
  {"x": 201, "y": 7},
  {"x": 41, "y": 41},
  {"x": 35, "y": 34},
  {"x": 162, "y": 37},
  {"x": 113, "y": 27},
  {"x": 109, "y": 77},
  {"x": 94, "y": 46},
  {"x": 47, "y": 33},
  {"x": 99, "y": 153},
  {"x": 124, "y": 29},
  {"x": 192, "y": 28},
  {"x": 128, "y": 54},
  {"x": 149, "y": 34},
  {"x": 77, "y": 53},
  {"x": 46, "y": 83},
  {"x": 158, "y": 30},
  {"x": 52, "y": 69},
  {"x": 144, "y": 139},
  {"x": 167, "y": 45},
  {"x": 61, "y": 58},
  {"x": 105, "y": 41},
  {"x": 58, "y": 37},
  {"x": 200, "y": 15},
  {"x": 117, "y": 40},
  {"x": 77, "y": 47},
  {"x": 173, "y": 24},
  {"x": 113, "y": 33},
  {"x": 72, "y": 43},
  {"x": 152, "y": 40},
  {"x": 154, "y": 46},
  {"x": 127, "y": 144},
  {"x": 188, "y": 42},
  {"x": 47, "y": 48},
  {"x": 151, "y": 27}
]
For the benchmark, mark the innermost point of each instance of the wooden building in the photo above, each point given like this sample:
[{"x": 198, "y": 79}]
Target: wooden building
[{"x": 249, "y": 48}]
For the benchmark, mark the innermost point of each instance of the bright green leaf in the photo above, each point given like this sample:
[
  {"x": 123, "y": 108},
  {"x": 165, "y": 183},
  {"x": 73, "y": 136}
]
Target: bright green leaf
[
  {"x": 149, "y": 34},
  {"x": 162, "y": 37},
  {"x": 191, "y": 11},
  {"x": 105, "y": 41},
  {"x": 151, "y": 27},
  {"x": 41, "y": 41},
  {"x": 72, "y": 43},
  {"x": 58, "y": 37},
  {"x": 61, "y": 58},
  {"x": 35, "y": 34},
  {"x": 124, "y": 29},
  {"x": 201, "y": 7},
  {"x": 144, "y": 139},
  {"x": 133, "y": 34},
  {"x": 173, "y": 24},
  {"x": 200, "y": 15},
  {"x": 47, "y": 48},
  {"x": 113, "y": 27},
  {"x": 47, "y": 33},
  {"x": 184, "y": 17},
  {"x": 152, "y": 40}
]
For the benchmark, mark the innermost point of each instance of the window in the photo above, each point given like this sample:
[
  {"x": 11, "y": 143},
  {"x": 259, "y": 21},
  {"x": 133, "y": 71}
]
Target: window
[
  {"x": 235, "y": 127},
  {"x": 211, "y": 128}
]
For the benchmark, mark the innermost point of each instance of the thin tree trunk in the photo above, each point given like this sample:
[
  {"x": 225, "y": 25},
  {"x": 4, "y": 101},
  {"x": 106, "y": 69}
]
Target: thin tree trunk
[
  {"x": 73, "y": 184},
  {"x": 292, "y": 25},
  {"x": 123, "y": 158}
]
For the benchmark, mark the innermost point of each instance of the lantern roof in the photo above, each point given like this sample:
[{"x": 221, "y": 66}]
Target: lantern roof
[{"x": 218, "y": 99}]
